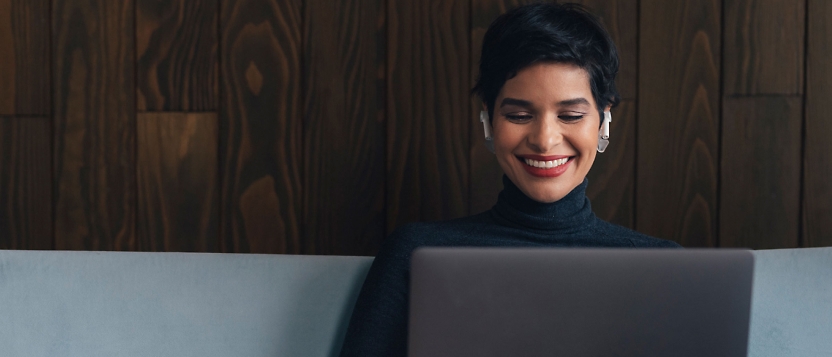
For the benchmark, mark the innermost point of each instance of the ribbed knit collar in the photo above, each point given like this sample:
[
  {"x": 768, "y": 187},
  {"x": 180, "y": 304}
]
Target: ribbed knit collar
[{"x": 570, "y": 214}]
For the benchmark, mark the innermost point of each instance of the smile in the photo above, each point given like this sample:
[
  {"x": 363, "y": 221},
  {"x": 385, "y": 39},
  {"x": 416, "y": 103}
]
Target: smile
[
  {"x": 546, "y": 164},
  {"x": 542, "y": 166}
]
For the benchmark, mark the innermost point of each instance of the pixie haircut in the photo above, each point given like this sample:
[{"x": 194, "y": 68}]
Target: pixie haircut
[{"x": 547, "y": 32}]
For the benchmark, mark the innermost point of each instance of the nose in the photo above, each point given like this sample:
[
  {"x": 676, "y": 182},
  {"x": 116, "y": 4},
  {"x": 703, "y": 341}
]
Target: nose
[{"x": 545, "y": 135}]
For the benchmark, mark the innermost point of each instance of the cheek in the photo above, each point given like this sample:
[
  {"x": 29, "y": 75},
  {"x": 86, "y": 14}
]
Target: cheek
[
  {"x": 587, "y": 137},
  {"x": 506, "y": 137},
  {"x": 590, "y": 139}
]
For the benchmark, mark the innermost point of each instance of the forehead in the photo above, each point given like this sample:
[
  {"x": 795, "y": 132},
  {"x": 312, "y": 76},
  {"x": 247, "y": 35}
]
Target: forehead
[{"x": 548, "y": 83}]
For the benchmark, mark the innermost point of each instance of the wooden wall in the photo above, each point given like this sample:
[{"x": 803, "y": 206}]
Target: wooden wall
[{"x": 318, "y": 126}]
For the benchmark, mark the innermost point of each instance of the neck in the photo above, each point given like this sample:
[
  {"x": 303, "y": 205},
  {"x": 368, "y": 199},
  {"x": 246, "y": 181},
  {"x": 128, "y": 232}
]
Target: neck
[{"x": 571, "y": 212}]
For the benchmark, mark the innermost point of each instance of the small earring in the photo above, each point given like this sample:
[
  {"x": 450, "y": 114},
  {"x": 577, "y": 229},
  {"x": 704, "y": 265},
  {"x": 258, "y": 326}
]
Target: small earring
[
  {"x": 604, "y": 133},
  {"x": 489, "y": 141}
]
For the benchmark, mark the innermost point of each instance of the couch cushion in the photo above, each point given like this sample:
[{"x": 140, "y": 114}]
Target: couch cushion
[
  {"x": 175, "y": 304},
  {"x": 791, "y": 304},
  {"x": 187, "y": 304}
]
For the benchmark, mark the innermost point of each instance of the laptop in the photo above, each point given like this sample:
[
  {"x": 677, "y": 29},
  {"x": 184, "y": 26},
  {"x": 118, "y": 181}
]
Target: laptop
[{"x": 579, "y": 302}]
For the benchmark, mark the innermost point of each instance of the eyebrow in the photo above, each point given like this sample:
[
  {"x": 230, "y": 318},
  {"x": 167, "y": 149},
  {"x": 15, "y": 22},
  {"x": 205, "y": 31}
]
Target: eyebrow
[
  {"x": 574, "y": 101},
  {"x": 514, "y": 101},
  {"x": 526, "y": 103}
]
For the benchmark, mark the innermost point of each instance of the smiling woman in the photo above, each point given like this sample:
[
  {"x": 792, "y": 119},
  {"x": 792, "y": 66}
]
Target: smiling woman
[
  {"x": 546, "y": 129},
  {"x": 547, "y": 77}
]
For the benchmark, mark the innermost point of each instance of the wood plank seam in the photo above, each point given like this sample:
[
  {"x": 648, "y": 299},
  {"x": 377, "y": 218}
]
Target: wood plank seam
[{"x": 801, "y": 241}]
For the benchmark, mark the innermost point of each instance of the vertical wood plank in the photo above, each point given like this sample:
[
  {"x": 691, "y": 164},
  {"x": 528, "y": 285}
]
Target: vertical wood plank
[
  {"x": 817, "y": 160},
  {"x": 612, "y": 199},
  {"x": 760, "y": 172},
  {"x": 177, "y": 179},
  {"x": 428, "y": 127},
  {"x": 612, "y": 176},
  {"x": 261, "y": 125},
  {"x": 25, "y": 184},
  {"x": 344, "y": 132},
  {"x": 764, "y": 50},
  {"x": 176, "y": 49},
  {"x": 24, "y": 57},
  {"x": 94, "y": 124},
  {"x": 678, "y": 120}
]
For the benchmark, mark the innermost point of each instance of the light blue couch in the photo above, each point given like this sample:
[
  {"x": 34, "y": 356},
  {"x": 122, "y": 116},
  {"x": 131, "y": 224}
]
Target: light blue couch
[{"x": 186, "y": 304}]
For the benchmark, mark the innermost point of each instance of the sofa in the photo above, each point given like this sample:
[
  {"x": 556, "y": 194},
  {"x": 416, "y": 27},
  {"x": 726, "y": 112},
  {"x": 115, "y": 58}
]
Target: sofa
[{"x": 58, "y": 303}]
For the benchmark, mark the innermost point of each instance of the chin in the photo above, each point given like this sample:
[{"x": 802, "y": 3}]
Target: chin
[
  {"x": 547, "y": 197},
  {"x": 545, "y": 194}
]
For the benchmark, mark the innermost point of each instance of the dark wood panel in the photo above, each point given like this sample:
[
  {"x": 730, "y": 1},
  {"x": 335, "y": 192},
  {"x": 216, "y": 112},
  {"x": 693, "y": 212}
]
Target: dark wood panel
[
  {"x": 817, "y": 160},
  {"x": 24, "y": 57},
  {"x": 261, "y": 126},
  {"x": 94, "y": 124},
  {"x": 612, "y": 177},
  {"x": 428, "y": 121},
  {"x": 176, "y": 64},
  {"x": 764, "y": 50},
  {"x": 25, "y": 184},
  {"x": 760, "y": 172},
  {"x": 620, "y": 19},
  {"x": 344, "y": 127},
  {"x": 678, "y": 120},
  {"x": 178, "y": 182}
]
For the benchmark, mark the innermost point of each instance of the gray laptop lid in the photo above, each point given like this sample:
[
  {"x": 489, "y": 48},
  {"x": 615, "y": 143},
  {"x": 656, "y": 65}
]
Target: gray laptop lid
[{"x": 579, "y": 302}]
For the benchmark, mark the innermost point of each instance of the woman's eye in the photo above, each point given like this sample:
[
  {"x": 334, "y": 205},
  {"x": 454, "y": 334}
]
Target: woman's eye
[
  {"x": 570, "y": 117},
  {"x": 514, "y": 117}
]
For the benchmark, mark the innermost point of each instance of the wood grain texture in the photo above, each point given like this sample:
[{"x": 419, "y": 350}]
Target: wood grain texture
[
  {"x": 620, "y": 19},
  {"x": 428, "y": 119},
  {"x": 24, "y": 57},
  {"x": 764, "y": 47},
  {"x": 176, "y": 48},
  {"x": 261, "y": 126},
  {"x": 678, "y": 121},
  {"x": 612, "y": 176},
  {"x": 760, "y": 172},
  {"x": 817, "y": 160},
  {"x": 344, "y": 126},
  {"x": 25, "y": 184},
  {"x": 178, "y": 182},
  {"x": 94, "y": 125}
]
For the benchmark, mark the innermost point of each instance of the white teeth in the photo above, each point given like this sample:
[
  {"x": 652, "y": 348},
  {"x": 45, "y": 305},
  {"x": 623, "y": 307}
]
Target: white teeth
[{"x": 546, "y": 164}]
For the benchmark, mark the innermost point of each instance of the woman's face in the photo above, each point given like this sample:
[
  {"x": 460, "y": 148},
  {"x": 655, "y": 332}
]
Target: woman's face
[{"x": 545, "y": 129}]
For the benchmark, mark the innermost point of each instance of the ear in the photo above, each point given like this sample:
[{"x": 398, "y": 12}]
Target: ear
[
  {"x": 604, "y": 131},
  {"x": 486, "y": 128},
  {"x": 486, "y": 122},
  {"x": 485, "y": 109}
]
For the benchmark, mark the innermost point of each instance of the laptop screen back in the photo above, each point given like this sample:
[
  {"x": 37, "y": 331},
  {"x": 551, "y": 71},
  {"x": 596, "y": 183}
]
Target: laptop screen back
[{"x": 579, "y": 302}]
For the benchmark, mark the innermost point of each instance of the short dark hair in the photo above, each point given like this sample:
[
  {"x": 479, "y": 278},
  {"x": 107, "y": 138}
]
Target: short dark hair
[{"x": 547, "y": 32}]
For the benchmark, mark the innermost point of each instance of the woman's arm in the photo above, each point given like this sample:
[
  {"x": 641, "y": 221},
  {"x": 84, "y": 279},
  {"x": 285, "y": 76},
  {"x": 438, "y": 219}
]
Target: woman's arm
[{"x": 378, "y": 326}]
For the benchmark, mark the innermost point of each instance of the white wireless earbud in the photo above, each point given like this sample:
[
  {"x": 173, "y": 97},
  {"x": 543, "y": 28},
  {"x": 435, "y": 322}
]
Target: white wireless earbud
[
  {"x": 486, "y": 127},
  {"x": 604, "y": 133}
]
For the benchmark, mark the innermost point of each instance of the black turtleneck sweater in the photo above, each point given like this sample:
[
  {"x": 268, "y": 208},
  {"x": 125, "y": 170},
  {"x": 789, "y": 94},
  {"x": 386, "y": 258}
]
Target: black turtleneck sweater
[{"x": 378, "y": 326}]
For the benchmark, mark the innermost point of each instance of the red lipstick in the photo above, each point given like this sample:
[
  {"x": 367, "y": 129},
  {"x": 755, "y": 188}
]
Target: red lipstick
[{"x": 540, "y": 172}]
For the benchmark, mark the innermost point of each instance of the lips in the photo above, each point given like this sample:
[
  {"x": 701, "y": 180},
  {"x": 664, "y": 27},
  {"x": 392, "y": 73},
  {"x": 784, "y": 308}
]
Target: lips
[{"x": 545, "y": 166}]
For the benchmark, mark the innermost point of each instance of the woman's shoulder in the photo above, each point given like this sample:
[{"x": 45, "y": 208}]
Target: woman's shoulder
[
  {"x": 449, "y": 227},
  {"x": 637, "y": 239},
  {"x": 446, "y": 232}
]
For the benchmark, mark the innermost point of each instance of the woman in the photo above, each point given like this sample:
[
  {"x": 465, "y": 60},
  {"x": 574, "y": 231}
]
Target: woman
[{"x": 547, "y": 75}]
